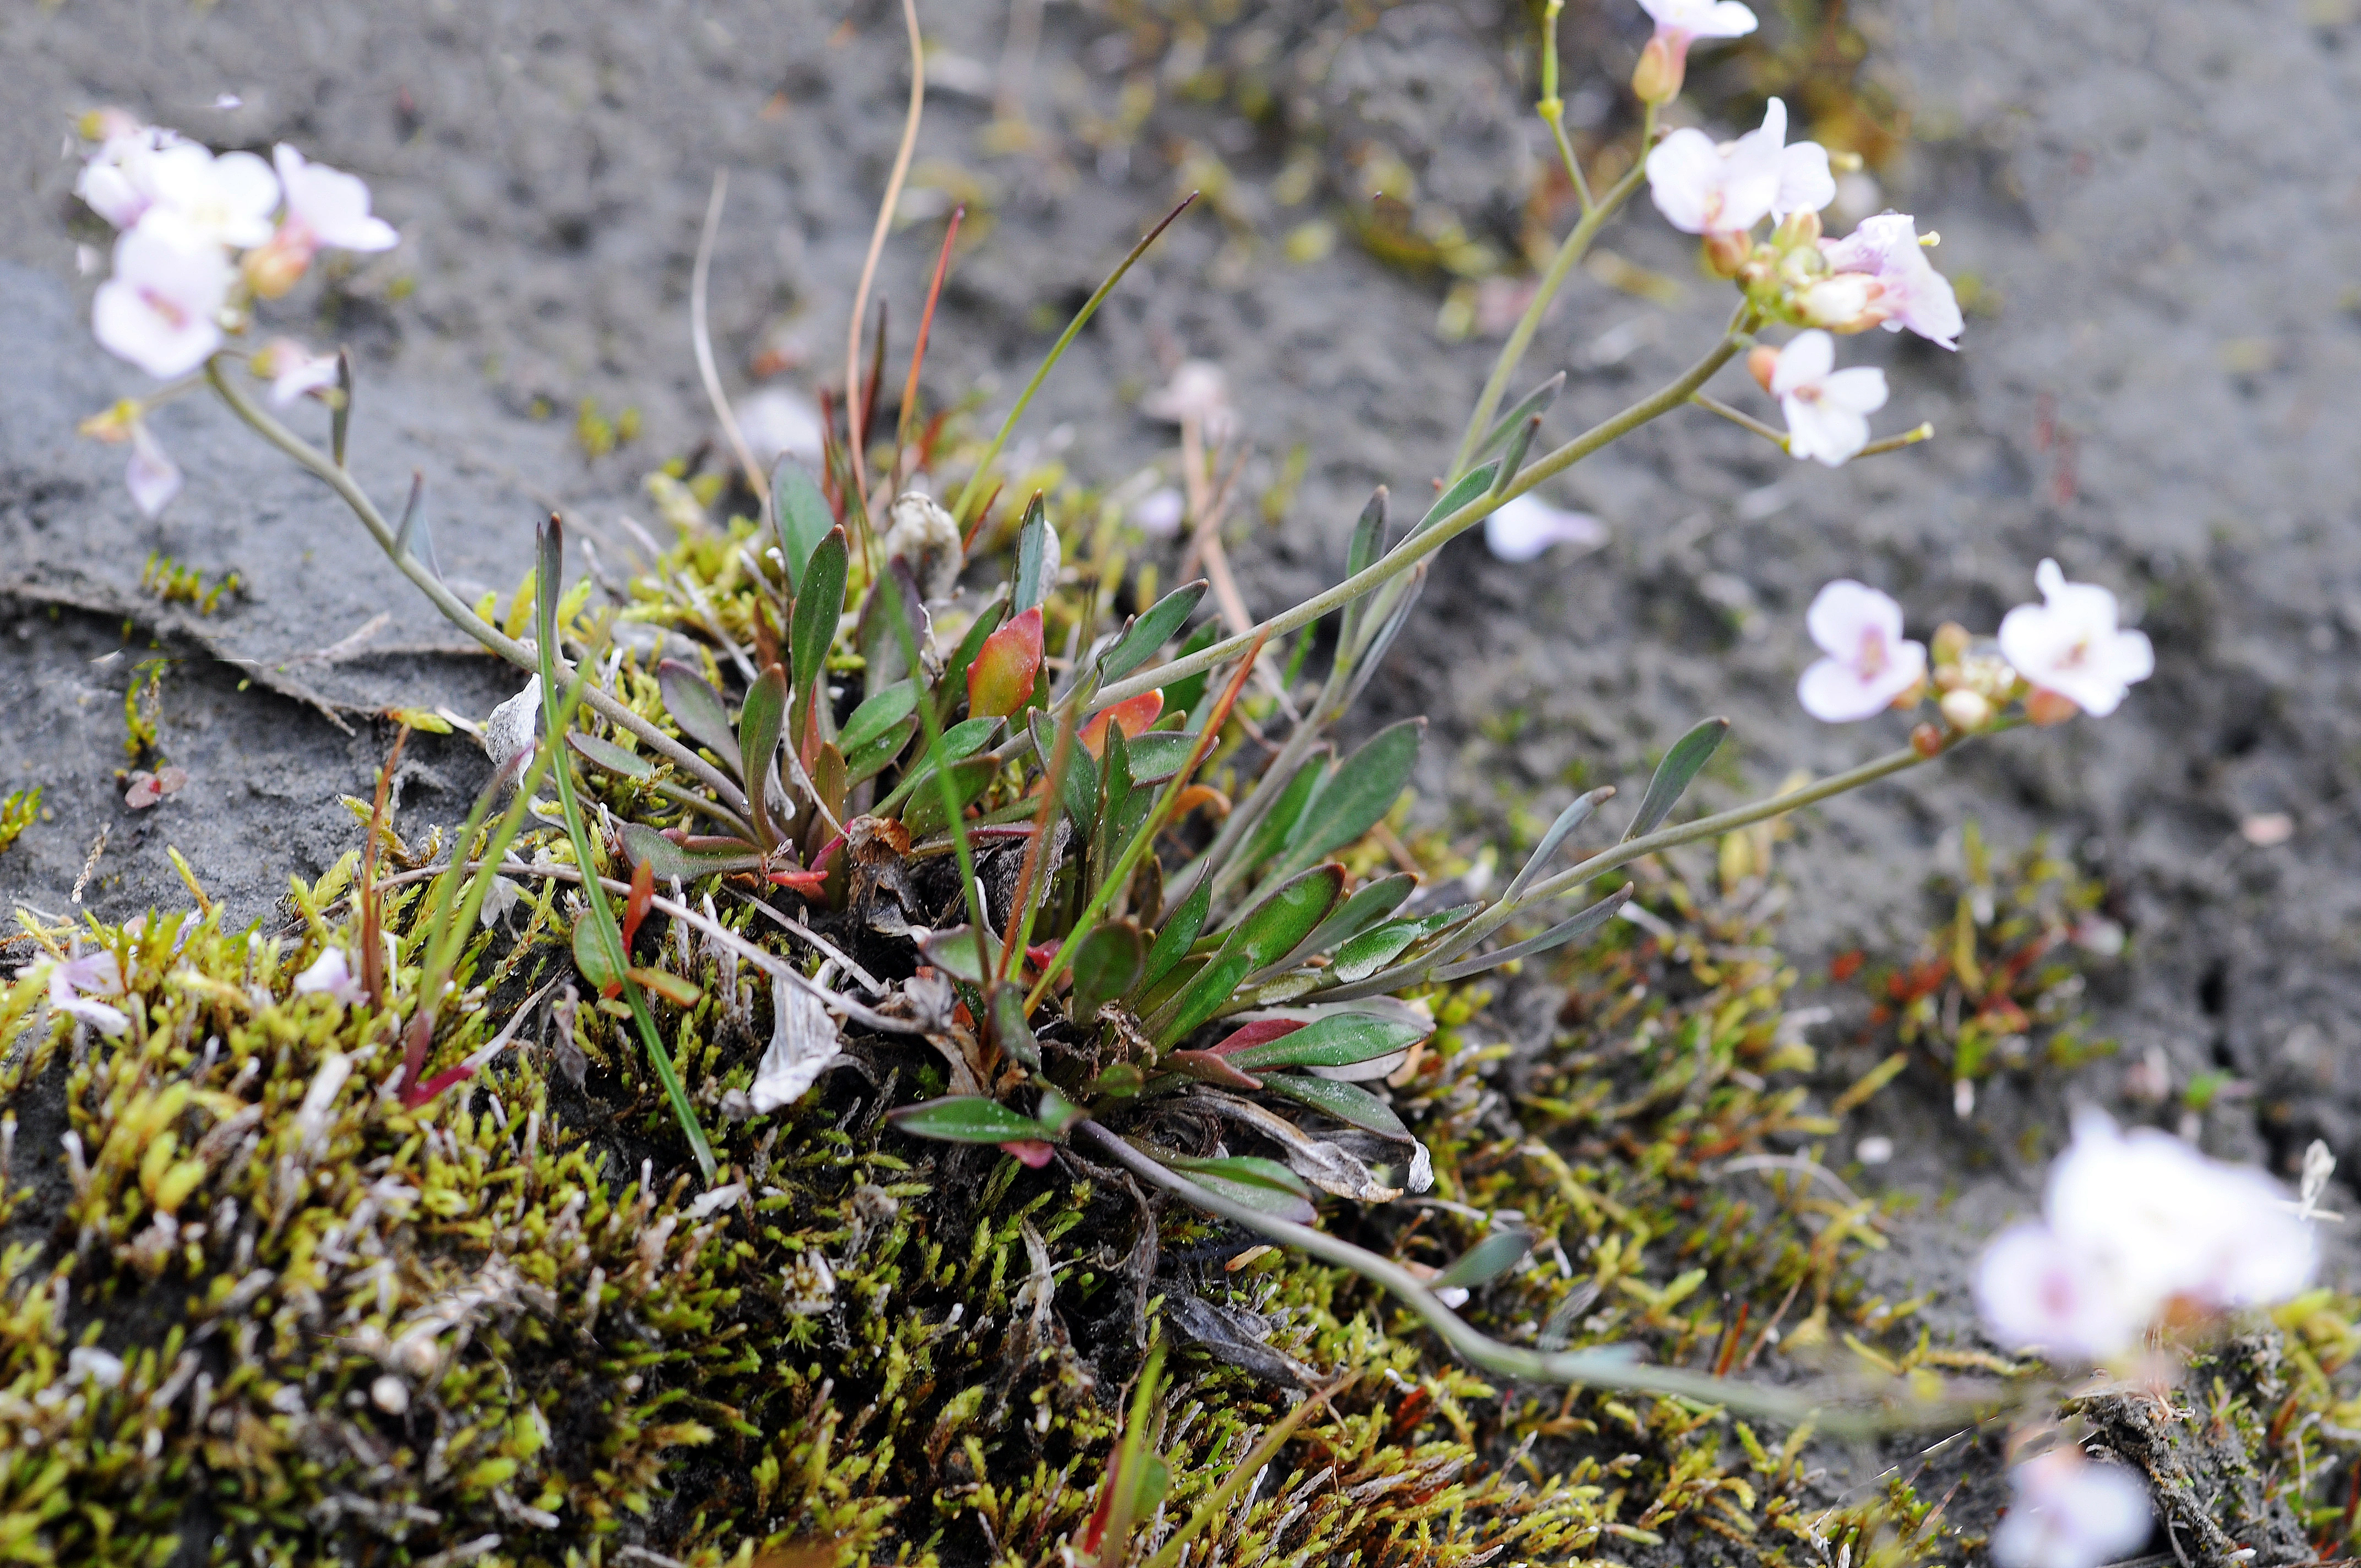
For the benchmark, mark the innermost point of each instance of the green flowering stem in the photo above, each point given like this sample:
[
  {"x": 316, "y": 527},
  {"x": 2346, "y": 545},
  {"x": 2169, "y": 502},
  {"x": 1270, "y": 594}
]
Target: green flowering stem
[
  {"x": 1606, "y": 1369},
  {"x": 336, "y": 478},
  {"x": 1420, "y": 545}
]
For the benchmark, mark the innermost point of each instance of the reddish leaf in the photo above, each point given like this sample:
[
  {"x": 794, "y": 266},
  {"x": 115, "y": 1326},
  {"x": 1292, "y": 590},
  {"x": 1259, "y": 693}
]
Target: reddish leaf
[
  {"x": 425, "y": 1093},
  {"x": 635, "y": 908},
  {"x": 1031, "y": 1153},
  {"x": 1135, "y": 715},
  {"x": 1207, "y": 1068},
  {"x": 1259, "y": 1034},
  {"x": 806, "y": 882},
  {"x": 1001, "y": 680}
]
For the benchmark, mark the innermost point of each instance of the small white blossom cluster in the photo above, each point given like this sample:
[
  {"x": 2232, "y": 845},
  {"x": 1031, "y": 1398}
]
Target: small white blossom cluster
[
  {"x": 2066, "y": 655},
  {"x": 202, "y": 236},
  {"x": 1877, "y": 276},
  {"x": 2138, "y": 1229}
]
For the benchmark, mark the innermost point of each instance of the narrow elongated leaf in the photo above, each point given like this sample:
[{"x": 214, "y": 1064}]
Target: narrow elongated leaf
[
  {"x": 1178, "y": 934},
  {"x": 1106, "y": 965},
  {"x": 1370, "y": 951},
  {"x": 1370, "y": 903},
  {"x": 698, "y": 710},
  {"x": 1469, "y": 488},
  {"x": 1362, "y": 789},
  {"x": 1279, "y": 822},
  {"x": 1515, "y": 458},
  {"x": 647, "y": 847},
  {"x": 878, "y": 712},
  {"x": 1347, "y": 1102},
  {"x": 876, "y": 755},
  {"x": 1557, "y": 936},
  {"x": 1081, "y": 790},
  {"x": 760, "y": 722},
  {"x": 1674, "y": 773},
  {"x": 1032, "y": 586},
  {"x": 799, "y": 516},
  {"x": 1012, "y": 1033},
  {"x": 1113, "y": 808},
  {"x": 811, "y": 626},
  {"x": 879, "y": 635},
  {"x": 1485, "y": 1262},
  {"x": 1148, "y": 632},
  {"x": 1274, "y": 927},
  {"x": 923, "y": 812},
  {"x": 1340, "y": 1039},
  {"x": 1258, "y": 1183},
  {"x": 1368, "y": 544},
  {"x": 1572, "y": 817},
  {"x": 967, "y": 1119},
  {"x": 611, "y": 757},
  {"x": 1536, "y": 401},
  {"x": 1202, "y": 997},
  {"x": 1000, "y": 680}
]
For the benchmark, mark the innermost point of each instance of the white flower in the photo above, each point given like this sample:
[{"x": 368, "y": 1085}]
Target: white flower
[
  {"x": 331, "y": 974},
  {"x": 1158, "y": 513},
  {"x": 203, "y": 200},
  {"x": 294, "y": 370},
  {"x": 1827, "y": 410},
  {"x": 2071, "y": 1513},
  {"x": 69, "y": 978},
  {"x": 777, "y": 422},
  {"x": 1700, "y": 18},
  {"x": 1910, "y": 293},
  {"x": 1198, "y": 391},
  {"x": 117, "y": 182},
  {"x": 803, "y": 1044},
  {"x": 161, "y": 310},
  {"x": 1526, "y": 526},
  {"x": 330, "y": 206},
  {"x": 2035, "y": 1291},
  {"x": 926, "y": 536},
  {"x": 1869, "y": 663},
  {"x": 151, "y": 476},
  {"x": 1702, "y": 188},
  {"x": 2135, "y": 1222},
  {"x": 2069, "y": 643}
]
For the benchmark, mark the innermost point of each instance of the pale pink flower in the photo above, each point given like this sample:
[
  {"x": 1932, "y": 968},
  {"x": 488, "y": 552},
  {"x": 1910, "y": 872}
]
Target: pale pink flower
[
  {"x": 1909, "y": 292},
  {"x": 2071, "y": 644},
  {"x": 200, "y": 199},
  {"x": 161, "y": 308},
  {"x": 151, "y": 476},
  {"x": 118, "y": 182},
  {"x": 1702, "y": 188},
  {"x": 1159, "y": 513},
  {"x": 332, "y": 206},
  {"x": 1827, "y": 410},
  {"x": 1869, "y": 662},
  {"x": 1527, "y": 525},
  {"x": 1678, "y": 21},
  {"x": 2035, "y": 1291},
  {"x": 294, "y": 370},
  {"x": 2071, "y": 1513},
  {"x": 71, "y": 978},
  {"x": 1197, "y": 391},
  {"x": 331, "y": 974}
]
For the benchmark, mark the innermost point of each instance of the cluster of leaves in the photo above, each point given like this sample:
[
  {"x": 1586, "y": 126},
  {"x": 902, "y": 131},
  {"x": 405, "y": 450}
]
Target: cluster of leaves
[
  {"x": 19, "y": 811},
  {"x": 173, "y": 583}
]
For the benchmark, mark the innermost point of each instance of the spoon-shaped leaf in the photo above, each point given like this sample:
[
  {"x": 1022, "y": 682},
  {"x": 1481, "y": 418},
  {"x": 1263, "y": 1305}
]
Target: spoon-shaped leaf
[
  {"x": 799, "y": 516},
  {"x": 1148, "y": 632},
  {"x": 1485, "y": 1262},
  {"x": 1340, "y": 1039},
  {"x": 698, "y": 709},
  {"x": 1672, "y": 776},
  {"x": 966, "y": 1119}
]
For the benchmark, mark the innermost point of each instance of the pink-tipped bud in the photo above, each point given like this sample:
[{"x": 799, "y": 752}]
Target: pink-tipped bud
[
  {"x": 2047, "y": 708},
  {"x": 278, "y": 263},
  {"x": 1760, "y": 361},
  {"x": 1663, "y": 65}
]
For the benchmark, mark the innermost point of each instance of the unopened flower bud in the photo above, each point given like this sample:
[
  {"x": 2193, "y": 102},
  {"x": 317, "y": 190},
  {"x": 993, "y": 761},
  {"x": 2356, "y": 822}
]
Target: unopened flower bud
[
  {"x": 2046, "y": 708},
  {"x": 1760, "y": 361},
  {"x": 389, "y": 1394},
  {"x": 1926, "y": 740},
  {"x": 1950, "y": 640},
  {"x": 1797, "y": 230},
  {"x": 1844, "y": 303},
  {"x": 276, "y": 265},
  {"x": 1726, "y": 252},
  {"x": 1967, "y": 711},
  {"x": 1657, "y": 78}
]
